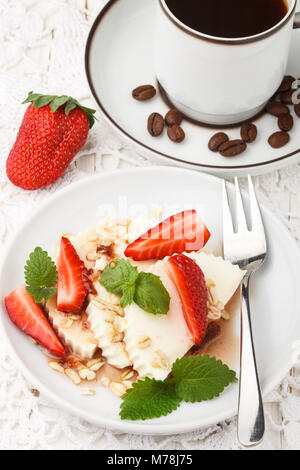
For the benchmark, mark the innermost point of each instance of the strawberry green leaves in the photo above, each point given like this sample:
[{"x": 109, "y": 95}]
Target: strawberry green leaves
[
  {"x": 194, "y": 379},
  {"x": 40, "y": 275},
  {"x": 145, "y": 289},
  {"x": 56, "y": 102}
]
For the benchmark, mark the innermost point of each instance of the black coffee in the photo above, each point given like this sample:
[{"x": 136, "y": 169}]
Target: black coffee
[{"x": 229, "y": 18}]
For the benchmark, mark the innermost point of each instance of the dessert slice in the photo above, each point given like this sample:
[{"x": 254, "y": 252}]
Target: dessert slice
[
  {"x": 154, "y": 342},
  {"x": 225, "y": 276},
  {"x": 105, "y": 317},
  {"x": 73, "y": 330},
  {"x": 104, "y": 242}
]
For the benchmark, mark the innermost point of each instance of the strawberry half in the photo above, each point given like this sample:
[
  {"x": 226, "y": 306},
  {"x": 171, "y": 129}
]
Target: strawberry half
[
  {"x": 73, "y": 282},
  {"x": 183, "y": 232},
  {"x": 190, "y": 283},
  {"x": 53, "y": 130},
  {"x": 26, "y": 314}
]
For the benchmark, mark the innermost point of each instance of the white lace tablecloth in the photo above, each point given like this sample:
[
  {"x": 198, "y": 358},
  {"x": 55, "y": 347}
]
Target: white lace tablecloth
[{"x": 42, "y": 49}]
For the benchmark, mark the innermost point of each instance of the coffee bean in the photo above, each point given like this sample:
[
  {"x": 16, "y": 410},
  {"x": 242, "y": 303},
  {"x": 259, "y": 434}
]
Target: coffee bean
[
  {"x": 232, "y": 148},
  {"x": 156, "y": 124},
  {"x": 144, "y": 92},
  {"x": 278, "y": 139},
  {"x": 285, "y": 122},
  {"x": 286, "y": 84},
  {"x": 217, "y": 140},
  {"x": 276, "y": 108},
  {"x": 176, "y": 133},
  {"x": 249, "y": 132},
  {"x": 173, "y": 117},
  {"x": 297, "y": 109},
  {"x": 287, "y": 97}
]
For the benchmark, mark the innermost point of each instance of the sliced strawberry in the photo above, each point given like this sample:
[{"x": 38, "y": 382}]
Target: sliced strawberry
[
  {"x": 190, "y": 283},
  {"x": 73, "y": 283},
  {"x": 183, "y": 232},
  {"x": 29, "y": 317}
]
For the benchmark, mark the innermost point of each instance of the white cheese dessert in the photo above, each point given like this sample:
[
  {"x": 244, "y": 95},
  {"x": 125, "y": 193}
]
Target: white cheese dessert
[
  {"x": 131, "y": 337},
  {"x": 154, "y": 342},
  {"x": 108, "y": 328},
  {"x": 225, "y": 276},
  {"x": 72, "y": 330}
]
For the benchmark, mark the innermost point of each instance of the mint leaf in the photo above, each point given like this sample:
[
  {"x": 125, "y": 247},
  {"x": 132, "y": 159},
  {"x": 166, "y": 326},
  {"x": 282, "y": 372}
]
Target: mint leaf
[
  {"x": 40, "y": 275},
  {"x": 41, "y": 293},
  {"x": 127, "y": 298},
  {"x": 151, "y": 295},
  {"x": 117, "y": 274},
  {"x": 40, "y": 269},
  {"x": 119, "y": 277},
  {"x": 200, "y": 378},
  {"x": 149, "y": 399},
  {"x": 145, "y": 289}
]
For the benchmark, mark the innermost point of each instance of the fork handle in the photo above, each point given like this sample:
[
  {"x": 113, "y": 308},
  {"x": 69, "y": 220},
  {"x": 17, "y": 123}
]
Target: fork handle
[{"x": 251, "y": 420}]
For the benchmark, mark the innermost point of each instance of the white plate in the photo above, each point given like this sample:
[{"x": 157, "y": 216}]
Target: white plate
[
  {"x": 119, "y": 58},
  {"x": 275, "y": 292}
]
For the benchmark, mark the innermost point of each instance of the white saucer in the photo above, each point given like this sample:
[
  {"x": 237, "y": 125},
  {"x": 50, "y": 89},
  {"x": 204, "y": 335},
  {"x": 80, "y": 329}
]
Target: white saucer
[
  {"x": 275, "y": 296},
  {"x": 119, "y": 58}
]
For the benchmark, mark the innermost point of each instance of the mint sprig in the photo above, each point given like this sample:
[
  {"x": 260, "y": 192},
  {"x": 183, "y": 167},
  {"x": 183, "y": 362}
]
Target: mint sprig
[
  {"x": 40, "y": 275},
  {"x": 119, "y": 278},
  {"x": 145, "y": 289},
  {"x": 194, "y": 379},
  {"x": 56, "y": 102}
]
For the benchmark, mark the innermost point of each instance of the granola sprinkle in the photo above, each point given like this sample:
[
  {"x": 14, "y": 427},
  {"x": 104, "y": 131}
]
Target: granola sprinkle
[
  {"x": 95, "y": 364},
  {"x": 87, "y": 391},
  {"x": 87, "y": 374},
  {"x": 56, "y": 367},
  {"x": 73, "y": 376},
  {"x": 216, "y": 310},
  {"x": 128, "y": 374},
  {"x": 159, "y": 360},
  {"x": 118, "y": 389},
  {"x": 144, "y": 343}
]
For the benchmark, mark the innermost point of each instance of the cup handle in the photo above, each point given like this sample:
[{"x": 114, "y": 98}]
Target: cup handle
[{"x": 297, "y": 20}]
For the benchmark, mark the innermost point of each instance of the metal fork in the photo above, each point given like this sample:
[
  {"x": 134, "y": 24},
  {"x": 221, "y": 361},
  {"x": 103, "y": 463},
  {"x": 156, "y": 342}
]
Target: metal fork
[{"x": 247, "y": 249}]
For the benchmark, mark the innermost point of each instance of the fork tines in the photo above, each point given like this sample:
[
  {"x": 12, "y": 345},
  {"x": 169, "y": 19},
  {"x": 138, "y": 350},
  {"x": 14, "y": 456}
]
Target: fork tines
[{"x": 242, "y": 242}]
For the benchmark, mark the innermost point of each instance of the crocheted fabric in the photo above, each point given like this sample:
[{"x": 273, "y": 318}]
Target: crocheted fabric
[{"x": 42, "y": 48}]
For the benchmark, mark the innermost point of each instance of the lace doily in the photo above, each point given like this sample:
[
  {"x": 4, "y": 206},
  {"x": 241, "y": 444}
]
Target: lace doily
[{"x": 43, "y": 50}]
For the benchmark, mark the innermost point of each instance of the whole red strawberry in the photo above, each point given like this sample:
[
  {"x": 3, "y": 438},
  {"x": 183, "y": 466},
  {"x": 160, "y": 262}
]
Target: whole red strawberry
[{"x": 53, "y": 130}]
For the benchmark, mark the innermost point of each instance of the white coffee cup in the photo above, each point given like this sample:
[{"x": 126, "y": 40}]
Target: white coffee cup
[{"x": 220, "y": 80}]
